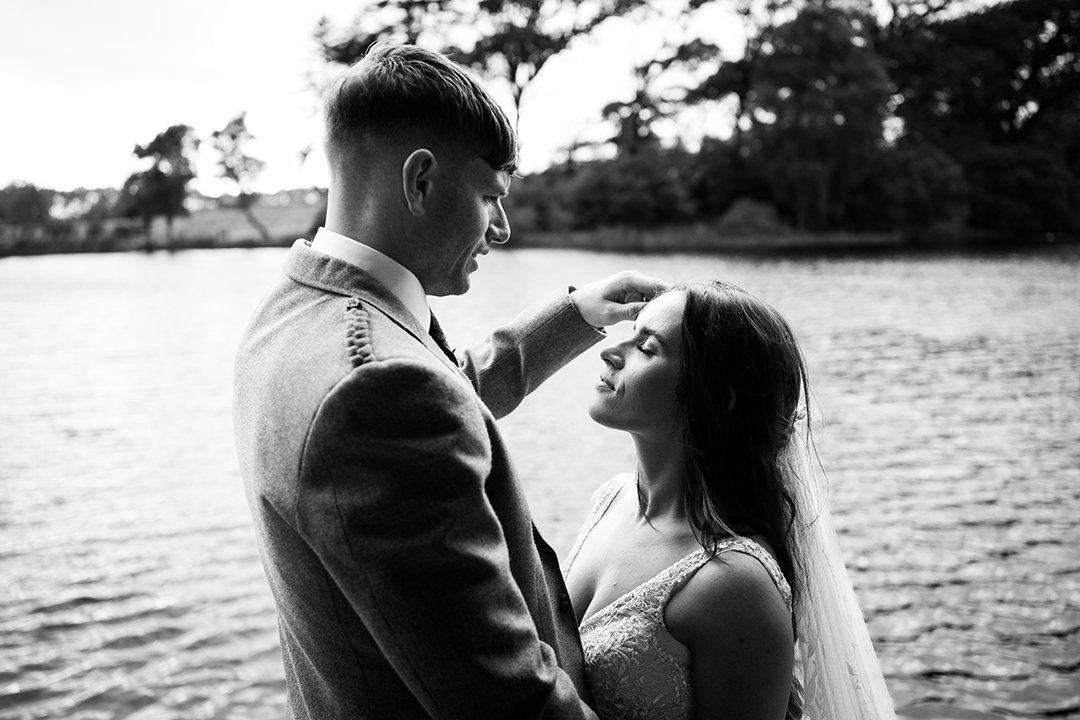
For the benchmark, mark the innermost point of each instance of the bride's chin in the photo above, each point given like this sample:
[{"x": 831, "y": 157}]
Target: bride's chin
[{"x": 596, "y": 412}]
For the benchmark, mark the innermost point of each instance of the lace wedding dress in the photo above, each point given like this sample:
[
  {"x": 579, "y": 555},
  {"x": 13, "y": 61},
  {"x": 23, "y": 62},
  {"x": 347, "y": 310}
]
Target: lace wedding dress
[{"x": 637, "y": 669}]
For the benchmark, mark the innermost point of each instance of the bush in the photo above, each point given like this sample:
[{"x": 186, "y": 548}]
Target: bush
[
  {"x": 644, "y": 190},
  {"x": 750, "y": 217},
  {"x": 541, "y": 202},
  {"x": 918, "y": 190},
  {"x": 1021, "y": 190}
]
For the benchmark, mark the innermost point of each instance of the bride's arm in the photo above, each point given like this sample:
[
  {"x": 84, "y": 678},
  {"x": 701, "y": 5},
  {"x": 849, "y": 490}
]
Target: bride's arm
[{"x": 734, "y": 621}]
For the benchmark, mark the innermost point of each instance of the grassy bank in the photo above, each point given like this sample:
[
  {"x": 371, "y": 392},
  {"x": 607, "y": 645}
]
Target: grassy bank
[
  {"x": 228, "y": 228},
  {"x": 209, "y": 228},
  {"x": 702, "y": 238}
]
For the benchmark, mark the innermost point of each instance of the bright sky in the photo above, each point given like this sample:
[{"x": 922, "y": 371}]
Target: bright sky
[{"x": 84, "y": 81}]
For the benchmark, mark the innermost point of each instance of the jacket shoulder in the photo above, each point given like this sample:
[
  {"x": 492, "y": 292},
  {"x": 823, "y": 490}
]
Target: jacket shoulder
[
  {"x": 358, "y": 333},
  {"x": 373, "y": 335}
]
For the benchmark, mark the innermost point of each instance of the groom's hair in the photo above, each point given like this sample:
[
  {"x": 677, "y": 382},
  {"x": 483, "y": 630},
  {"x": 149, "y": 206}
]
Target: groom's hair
[{"x": 403, "y": 91}]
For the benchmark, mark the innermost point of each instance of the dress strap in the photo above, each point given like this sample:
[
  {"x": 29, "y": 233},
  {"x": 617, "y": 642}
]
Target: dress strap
[
  {"x": 749, "y": 547},
  {"x": 665, "y": 585},
  {"x": 601, "y": 502},
  {"x": 676, "y": 576}
]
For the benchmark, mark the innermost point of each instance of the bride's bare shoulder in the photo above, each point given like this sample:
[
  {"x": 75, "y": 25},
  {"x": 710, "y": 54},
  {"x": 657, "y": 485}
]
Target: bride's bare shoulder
[
  {"x": 731, "y": 595},
  {"x": 732, "y": 618}
]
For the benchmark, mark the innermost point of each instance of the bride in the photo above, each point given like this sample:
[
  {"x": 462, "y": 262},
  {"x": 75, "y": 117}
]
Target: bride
[{"x": 708, "y": 583}]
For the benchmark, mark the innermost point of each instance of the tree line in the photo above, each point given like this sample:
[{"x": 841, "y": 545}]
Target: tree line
[
  {"x": 935, "y": 125},
  {"x": 159, "y": 188},
  {"x": 940, "y": 119},
  {"x": 935, "y": 119}
]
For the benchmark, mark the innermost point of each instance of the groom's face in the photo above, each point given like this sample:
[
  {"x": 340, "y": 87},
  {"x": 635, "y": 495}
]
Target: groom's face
[{"x": 466, "y": 219}]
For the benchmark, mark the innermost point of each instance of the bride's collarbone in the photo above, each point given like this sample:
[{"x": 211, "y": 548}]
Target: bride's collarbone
[{"x": 621, "y": 555}]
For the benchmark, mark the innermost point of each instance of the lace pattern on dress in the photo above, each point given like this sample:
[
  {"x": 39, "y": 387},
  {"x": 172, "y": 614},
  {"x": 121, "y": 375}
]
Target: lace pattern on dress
[{"x": 637, "y": 669}]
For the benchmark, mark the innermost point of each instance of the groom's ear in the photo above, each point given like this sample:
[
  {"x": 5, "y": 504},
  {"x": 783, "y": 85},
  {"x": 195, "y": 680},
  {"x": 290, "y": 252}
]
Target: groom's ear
[{"x": 417, "y": 173}]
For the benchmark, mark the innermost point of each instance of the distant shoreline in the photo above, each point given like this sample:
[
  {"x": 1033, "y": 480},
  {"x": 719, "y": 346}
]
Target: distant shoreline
[{"x": 700, "y": 238}]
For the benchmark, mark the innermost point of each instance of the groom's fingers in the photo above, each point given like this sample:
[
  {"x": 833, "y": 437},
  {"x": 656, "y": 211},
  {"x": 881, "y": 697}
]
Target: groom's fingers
[
  {"x": 636, "y": 287},
  {"x": 617, "y": 297},
  {"x": 632, "y": 309}
]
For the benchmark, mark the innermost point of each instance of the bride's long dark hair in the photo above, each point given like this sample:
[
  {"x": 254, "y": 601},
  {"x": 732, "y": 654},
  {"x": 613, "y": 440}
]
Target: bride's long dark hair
[{"x": 744, "y": 387}]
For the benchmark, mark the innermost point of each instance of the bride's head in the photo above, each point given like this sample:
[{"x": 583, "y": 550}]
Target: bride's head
[{"x": 717, "y": 371}]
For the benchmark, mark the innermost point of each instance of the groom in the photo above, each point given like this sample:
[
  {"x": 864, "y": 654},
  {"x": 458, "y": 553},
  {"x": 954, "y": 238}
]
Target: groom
[{"x": 409, "y": 579}]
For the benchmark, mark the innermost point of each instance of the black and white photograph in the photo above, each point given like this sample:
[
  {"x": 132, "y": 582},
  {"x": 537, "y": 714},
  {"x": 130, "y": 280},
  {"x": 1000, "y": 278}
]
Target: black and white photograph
[{"x": 537, "y": 359}]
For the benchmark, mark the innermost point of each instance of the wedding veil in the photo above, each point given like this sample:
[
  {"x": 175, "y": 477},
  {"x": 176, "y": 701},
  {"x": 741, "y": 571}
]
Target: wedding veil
[{"x": 841, "y": 676}]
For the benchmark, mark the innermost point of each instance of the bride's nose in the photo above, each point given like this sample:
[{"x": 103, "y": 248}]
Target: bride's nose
[{"x": 611, "y": 356}]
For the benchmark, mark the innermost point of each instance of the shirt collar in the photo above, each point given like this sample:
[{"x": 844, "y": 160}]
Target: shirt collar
[{"x": 397, "y": 278}]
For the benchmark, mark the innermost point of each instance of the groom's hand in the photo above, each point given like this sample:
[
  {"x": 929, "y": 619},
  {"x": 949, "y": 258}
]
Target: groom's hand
[{"x": 616, "y": 298}]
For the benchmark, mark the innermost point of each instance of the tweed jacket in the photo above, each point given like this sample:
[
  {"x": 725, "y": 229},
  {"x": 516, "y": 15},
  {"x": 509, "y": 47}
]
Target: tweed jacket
[{"x": 409, "y": 579}]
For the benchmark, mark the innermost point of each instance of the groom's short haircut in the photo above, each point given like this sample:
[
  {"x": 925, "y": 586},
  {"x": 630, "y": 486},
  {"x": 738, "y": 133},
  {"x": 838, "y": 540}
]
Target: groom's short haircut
[{"x": 398, "y": 90}]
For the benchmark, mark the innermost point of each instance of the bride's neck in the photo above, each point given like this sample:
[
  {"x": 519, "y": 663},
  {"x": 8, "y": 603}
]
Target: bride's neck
[{"x": 661, "y": 478}]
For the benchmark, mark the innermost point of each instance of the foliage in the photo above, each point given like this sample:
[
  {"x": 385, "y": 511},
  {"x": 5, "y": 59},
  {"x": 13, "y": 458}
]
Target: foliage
[
  {"x": 992, "y": 77},
  {"x": 521, "y": 36},
  {"x": 916, "y": 189},
  {"x": 93, "y": 204},
  {"x": 405, "y": 21},
  {"x": 240, "y": 168},
  {"x": 1000, "y": 88},
  {"x": 643, "y": 190},
  {"x": 719, "y": 174},
  {"x": 634, "y": 119},
  {"x": 934, "y": 119},
  {"x": 1022, "y": 190},
  {"x": 736, "y": 78},
  {"x": 160, "y": 190},
  {"x": 542, "y": 202},
  {"x": 817, "y": 106},
  {"x": 751, "y": 217},
  {"x": 25, "y": 204},
  {"x": 516, "y": 37}
]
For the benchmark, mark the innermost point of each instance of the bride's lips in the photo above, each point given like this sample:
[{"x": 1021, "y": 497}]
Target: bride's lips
[{"x": 605, "y": 384}]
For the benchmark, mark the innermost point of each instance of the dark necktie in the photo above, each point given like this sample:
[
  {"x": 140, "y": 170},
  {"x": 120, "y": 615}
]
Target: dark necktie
[{"x": 440, "y": 339}]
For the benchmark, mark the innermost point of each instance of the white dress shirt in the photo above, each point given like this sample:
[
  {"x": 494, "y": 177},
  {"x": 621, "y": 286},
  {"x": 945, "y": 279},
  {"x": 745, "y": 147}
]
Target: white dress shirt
[{"x": 397, "y": 278}]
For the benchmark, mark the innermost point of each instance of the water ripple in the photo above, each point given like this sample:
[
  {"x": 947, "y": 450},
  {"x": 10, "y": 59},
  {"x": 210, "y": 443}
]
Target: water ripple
[{"x": 949, "y": 404}]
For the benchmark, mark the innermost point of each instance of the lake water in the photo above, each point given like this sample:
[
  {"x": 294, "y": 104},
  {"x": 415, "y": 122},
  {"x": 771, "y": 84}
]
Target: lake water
[{"x": 130, "y": 585}]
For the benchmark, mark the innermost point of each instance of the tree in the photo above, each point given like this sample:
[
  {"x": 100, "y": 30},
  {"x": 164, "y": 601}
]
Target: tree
[
  {"x": 516, "y": 38},
  {"x": 1022, "y": 191},
  {"x": 990, "y": 77},
  {"x": 25, "y": 204},
  {"x": 999, "y": 89},
  {"x": 646, "y": 190},
  {"x": 239, "y": 168},
  {"x": 817, "y": 105},
  {"x": 405, "y": 21},
  {"x": 916, "y": 189},
  {"x": 635, "y": 119},
  {"x": 91, "y": 204},
  {"x": 160, "y": 189},
  {"x": 519, "y": 37},
  {"x": 735, "y": 78}
]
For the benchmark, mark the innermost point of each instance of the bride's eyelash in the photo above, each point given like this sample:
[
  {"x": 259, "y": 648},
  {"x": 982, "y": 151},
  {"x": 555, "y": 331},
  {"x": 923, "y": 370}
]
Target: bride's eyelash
[{"x": 641, "y": 347}]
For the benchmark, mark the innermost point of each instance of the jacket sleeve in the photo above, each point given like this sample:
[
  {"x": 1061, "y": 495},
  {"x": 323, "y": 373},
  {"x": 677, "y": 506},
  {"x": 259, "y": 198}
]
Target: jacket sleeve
[
  {"x": 513, "y": 361},
  {"x": 394, "y": 504}
]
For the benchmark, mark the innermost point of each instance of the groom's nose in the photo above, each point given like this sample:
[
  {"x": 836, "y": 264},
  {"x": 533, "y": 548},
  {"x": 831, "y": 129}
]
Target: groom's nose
[{"x": 498, "y": 226}]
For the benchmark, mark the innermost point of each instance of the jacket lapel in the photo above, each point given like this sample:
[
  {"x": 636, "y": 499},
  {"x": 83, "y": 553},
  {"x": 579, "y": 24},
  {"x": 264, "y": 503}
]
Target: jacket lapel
[{"x": 331, "y": 274}]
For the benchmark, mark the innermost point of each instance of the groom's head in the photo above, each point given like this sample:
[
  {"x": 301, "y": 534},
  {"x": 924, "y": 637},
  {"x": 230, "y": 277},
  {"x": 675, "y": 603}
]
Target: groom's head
[
  {"x": 403, "y": 93},
  {"x": 419, "y": 155}
]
